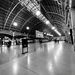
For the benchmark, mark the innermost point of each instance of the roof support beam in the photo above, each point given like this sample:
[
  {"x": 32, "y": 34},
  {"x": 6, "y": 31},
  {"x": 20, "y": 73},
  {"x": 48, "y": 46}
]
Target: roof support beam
[
  {"x": 56, "y": 14},
  {"x": 15, "y": 17},
  {"x": 26, "y": 22},
  {"x": 51, "y": 12},
  {"x": 10, "y": 14},
  {"x": 39, "y": 26},
  {"x": 34, "y": 26}
]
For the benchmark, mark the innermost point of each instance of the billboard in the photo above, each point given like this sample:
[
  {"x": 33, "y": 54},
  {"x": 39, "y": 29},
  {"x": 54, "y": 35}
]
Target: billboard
[{"x": 39, "y": 34}]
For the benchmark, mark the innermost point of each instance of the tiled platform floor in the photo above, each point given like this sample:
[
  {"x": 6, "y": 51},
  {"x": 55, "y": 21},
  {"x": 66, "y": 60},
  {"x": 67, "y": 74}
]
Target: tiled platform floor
[{"x": 42, "y": 59}]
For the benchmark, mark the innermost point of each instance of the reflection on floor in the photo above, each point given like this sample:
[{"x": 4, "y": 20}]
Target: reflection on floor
[
  {"x": 7, "y": 54},
  {"x": 43, "y": 59}
]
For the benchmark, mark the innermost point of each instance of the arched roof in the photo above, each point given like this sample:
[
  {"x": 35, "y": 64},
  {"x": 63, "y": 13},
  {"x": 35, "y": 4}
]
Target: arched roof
[{"x": 12, "y": 11}]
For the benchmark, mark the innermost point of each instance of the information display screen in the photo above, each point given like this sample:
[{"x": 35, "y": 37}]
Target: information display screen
[{"x": 39, "y": 34}]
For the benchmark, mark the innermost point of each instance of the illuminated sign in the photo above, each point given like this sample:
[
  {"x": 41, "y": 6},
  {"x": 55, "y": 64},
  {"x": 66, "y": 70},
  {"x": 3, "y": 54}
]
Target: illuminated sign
[{"x": 39, "y": 34}]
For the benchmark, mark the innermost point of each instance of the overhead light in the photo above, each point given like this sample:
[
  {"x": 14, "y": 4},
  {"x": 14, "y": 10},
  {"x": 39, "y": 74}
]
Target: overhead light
[
  {"x": 38, "y": 13},
  {"x": 47, "y": 22},
  {"x": 15, "y": 24},
  {"x": 70, "y": 3},
  {"x": 69, "y": 33},
  {"x": 27, "y": 28},
  {"x": 57, "y": 32},
  {"x": 53, "y": 28},
  {"x": 49, "y": 34},
  {"x": 44, "y": 33}
]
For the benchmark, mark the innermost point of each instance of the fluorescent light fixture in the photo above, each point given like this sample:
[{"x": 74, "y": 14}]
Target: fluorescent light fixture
[
  {"x": 15, "y": 24},
  {"x": 49, "y": 34},
  {"x": 57, "y": 32},
  {"x": 70, "y": 3},
  {"x": 47, "y": 22},
  {"x": 27, "y": 28},
  {"x": 38, "y": 12}
]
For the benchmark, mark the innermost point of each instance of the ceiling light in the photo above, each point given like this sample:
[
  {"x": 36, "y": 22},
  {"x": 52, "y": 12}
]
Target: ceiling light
[
  {"x": 47, "y": 22},
  {"x": 57, "y": 32},
  {"x": 15, "y": 24},
  {"x": 38, "y": 13},
  {"x": 49, "y": 34},
  {"x": 69, "y": 33},
  {"x": 44, "y": 33},
  {"x": 27, "y": 28},
  {"x": 70, "y": 3},
  {"x": 53, "y": 28}
]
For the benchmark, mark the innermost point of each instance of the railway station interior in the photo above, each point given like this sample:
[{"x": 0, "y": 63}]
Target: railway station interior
[{"x": 37, "y": 37}]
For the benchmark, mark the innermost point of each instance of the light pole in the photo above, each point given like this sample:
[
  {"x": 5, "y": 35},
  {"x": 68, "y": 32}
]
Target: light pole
[
  {"x": 27, "y": 30},
  {"x": 13, "y": 37},
  {"x": 15, "y": 24},
  {"x": 27, "y": 37}
]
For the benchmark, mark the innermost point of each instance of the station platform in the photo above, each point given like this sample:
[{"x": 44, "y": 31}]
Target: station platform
[{"x": 48, "y": 58}]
